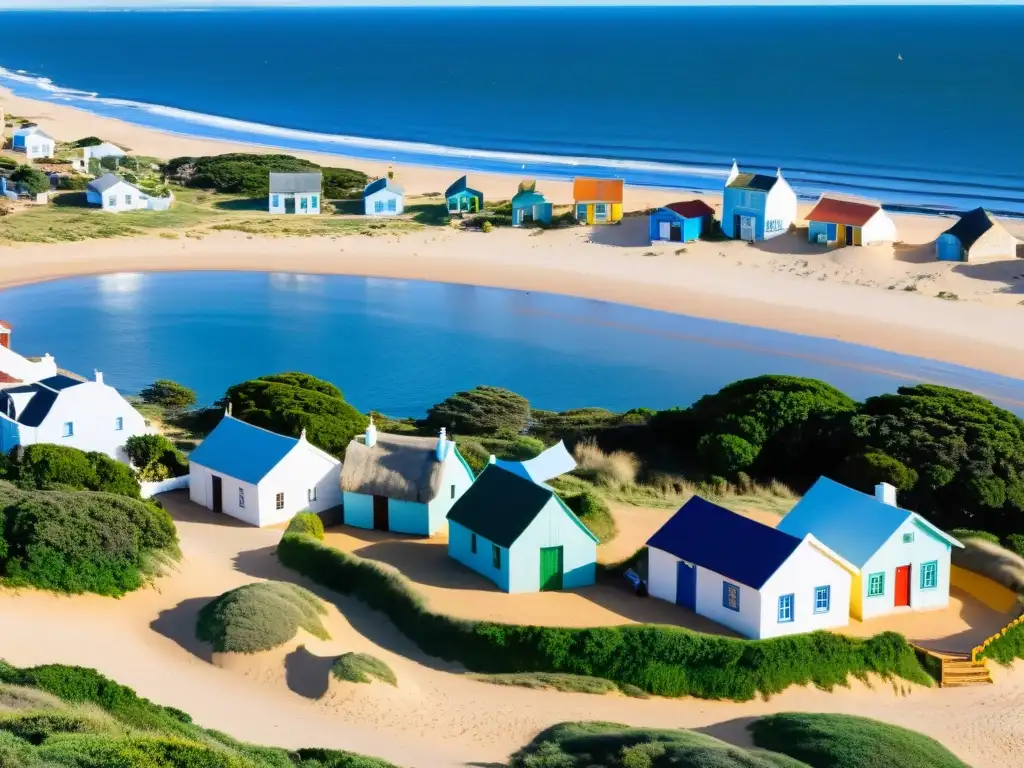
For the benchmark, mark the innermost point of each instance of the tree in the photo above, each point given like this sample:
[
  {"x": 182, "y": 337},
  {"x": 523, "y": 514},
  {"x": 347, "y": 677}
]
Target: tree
[
  {"x": 481, "y": 411},
  {"x": 88, "y": 141},
  {"x": 287, "y": 403},
  {"x": 155, "y": 457},
  {"x": 110, "y": 162},
  {"x": 864, "y": 471},
  {"x": 968, "y": 454},
  {"x": 725, "y": 455},
  {"x": 32, "y": 179},
  {"x": 169, "y": 394},
  {"x": 343, "y": 183},
  {"x": 94, "y": 167}
]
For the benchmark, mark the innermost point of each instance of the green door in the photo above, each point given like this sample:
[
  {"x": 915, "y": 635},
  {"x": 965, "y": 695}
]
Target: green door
[{"x": 550, "y": 568}]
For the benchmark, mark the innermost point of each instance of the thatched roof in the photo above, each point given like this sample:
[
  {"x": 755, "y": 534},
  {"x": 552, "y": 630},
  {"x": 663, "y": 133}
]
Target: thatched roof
[{"x": 398, "y": 466}]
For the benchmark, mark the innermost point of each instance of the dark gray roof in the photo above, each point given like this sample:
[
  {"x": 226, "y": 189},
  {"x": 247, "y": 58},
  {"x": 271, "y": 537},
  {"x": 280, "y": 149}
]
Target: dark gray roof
[
  {"x": 755, "y": 181},
  {"x": 45, "y": 395},
  {"x": 971, "y": 226},
  {"x": 382, "y": 183},
  {"x": 106, "y": 181},
  {"x": 295, "y": 183}
]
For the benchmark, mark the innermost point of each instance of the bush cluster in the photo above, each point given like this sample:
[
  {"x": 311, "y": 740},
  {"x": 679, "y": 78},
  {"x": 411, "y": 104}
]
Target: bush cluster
[
  {"x": 72, "y": 541},
  {"x": 155, "y": 457},
  {"x": 168, "y": 394},
  {"x": 665, "y": 661},
  {"x": 590, "y": 509},
  {"x": 308, "y": 523},
  {"x": 45, "y": 466},
  {"x": 362, "y": 668},
  {"x": 481, "y": 411},
  {"x": 249, "y": 174}
]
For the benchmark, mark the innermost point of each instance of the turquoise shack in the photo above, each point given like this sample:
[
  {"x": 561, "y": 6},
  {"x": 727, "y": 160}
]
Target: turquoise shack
[
  {"x": 681, "y": 222},
  {"x": 520, "y": 535},
  {"x": 462, "y": 199},
  {"x": 529, "y": 205}
]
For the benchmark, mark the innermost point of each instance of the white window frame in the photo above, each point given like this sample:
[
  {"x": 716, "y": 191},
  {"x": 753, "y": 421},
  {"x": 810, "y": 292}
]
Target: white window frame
[
  {"x": 119, "y": 424},
  {"x": 69, "y": 429}
]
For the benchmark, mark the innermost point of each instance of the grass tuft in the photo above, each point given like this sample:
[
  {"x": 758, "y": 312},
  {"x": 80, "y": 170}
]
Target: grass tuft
[
  {"x": 545, "y": 681},
  {"x": 259, "y": 617},
  {"x": 362, "y": 668}
]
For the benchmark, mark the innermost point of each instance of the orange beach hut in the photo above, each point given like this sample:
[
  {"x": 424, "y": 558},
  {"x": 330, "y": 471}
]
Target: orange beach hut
[{"x": 597, "y": 201}]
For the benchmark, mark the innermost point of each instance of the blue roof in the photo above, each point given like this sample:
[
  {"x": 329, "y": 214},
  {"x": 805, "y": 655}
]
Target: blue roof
[
  {"x": 526, "y": 198},
  {"x": 382, "y": 183},
  {"x": 459, "y": 186},
  {"x": 242, "y": 451},
  {"x": 852, "y": 524},
  {"x": 735, "y": 546}
]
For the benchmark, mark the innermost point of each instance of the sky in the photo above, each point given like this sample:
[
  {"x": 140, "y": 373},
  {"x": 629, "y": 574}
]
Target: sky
[{"x": 144, "y": 4}]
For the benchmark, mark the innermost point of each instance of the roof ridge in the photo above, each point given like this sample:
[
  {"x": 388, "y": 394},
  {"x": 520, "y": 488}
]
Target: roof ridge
[{"x": 256, "y": 426}]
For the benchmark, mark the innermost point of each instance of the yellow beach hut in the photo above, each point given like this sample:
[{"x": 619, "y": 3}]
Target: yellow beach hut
[{"x": 597, "y": 201}]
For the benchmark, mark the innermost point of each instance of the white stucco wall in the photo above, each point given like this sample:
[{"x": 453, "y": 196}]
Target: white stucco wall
[
  {"x": 780, "y": 206},
  {"x": 662, "y": 569},
  {"x": 383, "y": 195},
  {"x": 880, "y": 228},
  {"x": 746, "y": 621},
  {"x": 200, "y": 491},
  {"x": 37, "y": 146},
  {"x": 26, "y": 371},
  {"x": 102, "y": 150},
  {"x": 804, "y": 570},
  {"x": 120, "y": 197},
  {"x": 995, "y": 245},
  {"x": 925, "y": 547},
  {"x": 304, "y": 468}
]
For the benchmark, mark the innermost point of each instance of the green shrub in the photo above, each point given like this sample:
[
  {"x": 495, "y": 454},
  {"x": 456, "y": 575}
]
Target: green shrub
[
  {"x": 362, "y": 668},
  {"x": 35, "y": 727},
  {"x": 113, "y": 476},
  {"x": 481, "y": 411},
  {"x": 343, "y": 183},
  {"x": 110, "y": 163},
  {"x": 308, "y": 523},
  {"x": 1006, "y": 648},
  {"x": 70, "y": 541},
  {"x": 74, "y": 183},
  {"x": 486, "y": 226},
  {"x": 864, "y": 471},
  {"x": 259, "y": 617},
  {"x": 965, "y": 533},
  {"x": 8, "y": 164},
  {"x": 88, "y": 141},
  {"x": 332, "y": 758},
  {"x": 169, "y": 394},
  {"x": 725, "y": 454},
  {"x": 156, "y": 457},
  {"x": 1015, "y": 543},
  {"x": 45, "y": 466},
  {"x": 666, "y": 661},
  {"x": 847, "y": 741},
  {"x": 593, "y": 513},
  {"x": 32, "y": 179}
]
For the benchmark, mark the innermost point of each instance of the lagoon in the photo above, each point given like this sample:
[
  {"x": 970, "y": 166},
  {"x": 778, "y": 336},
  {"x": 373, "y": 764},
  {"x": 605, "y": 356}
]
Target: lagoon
[{"x": 398, "y": 347}]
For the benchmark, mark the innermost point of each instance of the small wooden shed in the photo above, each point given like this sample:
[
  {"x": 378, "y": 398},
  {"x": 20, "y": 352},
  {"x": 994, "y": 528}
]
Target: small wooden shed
[
  {"x": 681, "y": 222},
  {"x": 383, "y": 197},
  {"x": 529, "y": 205},
  {"x": 463, "y": 199}
]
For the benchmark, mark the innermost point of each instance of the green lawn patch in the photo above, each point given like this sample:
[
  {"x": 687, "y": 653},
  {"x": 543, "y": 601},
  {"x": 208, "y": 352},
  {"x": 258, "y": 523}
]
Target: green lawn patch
[
  {"x": 663, "y": 660},
  {"x": 545, "y": 681},
  {"x": 259, "y": 617},
  {"x": 846, "y": 741},
  {"x": 362, "y": 668}
]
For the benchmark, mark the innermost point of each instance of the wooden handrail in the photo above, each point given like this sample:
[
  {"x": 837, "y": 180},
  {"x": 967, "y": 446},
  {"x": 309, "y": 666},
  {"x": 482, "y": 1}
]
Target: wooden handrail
[{"x": 988, "y": 641}]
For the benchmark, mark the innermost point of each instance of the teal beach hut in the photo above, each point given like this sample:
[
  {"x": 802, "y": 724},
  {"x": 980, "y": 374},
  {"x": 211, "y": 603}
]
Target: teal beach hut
[
  {"x": 520, "y": 535},
  {"x": 462, "y": 199},
  {"x": 529, "y": 205},
  {"x": 681, "y": 222}
]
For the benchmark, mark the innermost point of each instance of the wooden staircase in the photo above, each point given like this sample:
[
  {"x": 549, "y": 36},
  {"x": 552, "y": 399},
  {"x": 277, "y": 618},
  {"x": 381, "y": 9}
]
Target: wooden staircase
[{"x": 960, "y": 669}]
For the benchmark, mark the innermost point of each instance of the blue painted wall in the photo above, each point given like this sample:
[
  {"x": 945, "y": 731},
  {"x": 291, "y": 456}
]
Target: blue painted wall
[
  {"x": 691, "y": 228},
  {"x": 554, "y": 526},
  {"x": 408, "y": 517},
  {"x": 460, "y": 548},
  {"x": 463, "y": 201},
  {"x": 948, "y": 248},
  {"x": 815, "y": 228},
  {"x": 18, "y": 142},
  {"x": 358, "y": 509},
  {"x": 733, "y": 205}
]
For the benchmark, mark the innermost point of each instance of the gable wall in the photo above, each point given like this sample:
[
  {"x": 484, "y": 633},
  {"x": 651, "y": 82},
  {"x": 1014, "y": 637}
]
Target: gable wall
[
  {"x": 807, "y": 568},
  {"x": 455, "y": 474},
  {"x": 93, "y": 409},
  {"x": 302, "y": 469},
  {"x": 552, "y": 527},
  {"x": 200, "y": 491}
]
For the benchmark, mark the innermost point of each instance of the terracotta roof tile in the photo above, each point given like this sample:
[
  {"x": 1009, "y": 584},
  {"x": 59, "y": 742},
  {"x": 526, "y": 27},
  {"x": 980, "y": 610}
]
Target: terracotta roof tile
[
  {"x": 834, "y": 210},
  {"x": 599, "y": 190}
]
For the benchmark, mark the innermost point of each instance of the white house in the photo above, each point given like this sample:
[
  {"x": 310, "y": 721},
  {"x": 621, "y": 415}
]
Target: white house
[
  {"x": 902, "y": 561},
  {"x": 34, "y": 142},
  {"x": 116, "y": 195},
  {"x": 383, "y": 197},
  {"x": 99, "y": 151},
  {"x": 295, "y": 193},
  {"x": 260, "y": 477},
  {"x": 402, "y": 483},
  {"x": 60, "y": 409},
  {"x": 757, "y": 206},
  {"x": 749, "y": 577},
  {"x": 15, "y": 369},
  {"x": 845, "y": 220}
]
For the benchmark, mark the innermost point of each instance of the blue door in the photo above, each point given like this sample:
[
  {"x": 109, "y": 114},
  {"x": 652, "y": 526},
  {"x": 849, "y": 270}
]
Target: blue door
[{"x": 686, "y": 585}]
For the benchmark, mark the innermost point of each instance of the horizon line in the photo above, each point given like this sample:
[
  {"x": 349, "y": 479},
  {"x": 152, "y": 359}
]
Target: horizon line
[{"x": 214, "y": 5}]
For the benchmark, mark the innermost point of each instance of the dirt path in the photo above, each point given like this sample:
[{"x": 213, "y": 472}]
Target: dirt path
[{"x": 437, "y": 718}]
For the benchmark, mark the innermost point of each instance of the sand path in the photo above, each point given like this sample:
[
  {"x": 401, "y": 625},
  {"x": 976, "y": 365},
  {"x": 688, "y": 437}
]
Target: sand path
[{"x": 438, "y": 718}]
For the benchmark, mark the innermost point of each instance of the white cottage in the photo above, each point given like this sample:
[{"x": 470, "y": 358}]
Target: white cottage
[
  {"x": 845, "y": 220},
  {"x": 902, "y": 561},
  {"x": 115, "y": 195},
  {"x": 99, "y": 151},
  {"x": 34, "y": 142},
  {"x": 260, "y": 477},
  {"x": 383, "y": 197},
  {"x": 63, "y": 410},
  {"x": 295, "y": 193},
  {"x": 749, "y": 577},
  {"x": 757, "y": 206}
]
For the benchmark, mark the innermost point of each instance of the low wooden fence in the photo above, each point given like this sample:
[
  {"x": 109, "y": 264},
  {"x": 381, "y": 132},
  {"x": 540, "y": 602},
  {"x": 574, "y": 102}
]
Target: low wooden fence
[{"x": 988, "y": 641}]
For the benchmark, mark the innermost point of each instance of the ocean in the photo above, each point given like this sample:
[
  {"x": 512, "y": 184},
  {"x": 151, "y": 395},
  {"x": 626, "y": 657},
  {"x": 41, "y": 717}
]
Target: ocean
[
  {"x": 398, "y": 347},
  {"x": 915, "y": 106}
]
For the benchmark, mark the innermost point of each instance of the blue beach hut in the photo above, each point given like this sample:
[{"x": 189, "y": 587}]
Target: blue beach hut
[
  {"x": 976, "y": 237},
  {"x": 520, "y": 535},
  {"x": 529, "y": 205},
  {"x": 462, "y": 199},
  {"x": 383, "y": 197},
  {"x": 681, "y": 222}
]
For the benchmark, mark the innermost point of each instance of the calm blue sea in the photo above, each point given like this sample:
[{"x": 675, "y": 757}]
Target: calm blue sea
[
  {"x": 658, "y": 96},
  {"x": 399, "y": 347}
]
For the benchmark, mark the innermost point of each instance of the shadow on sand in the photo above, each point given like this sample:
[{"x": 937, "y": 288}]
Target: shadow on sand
[
  {"x": 632, "y": 232},
  {"x": 306, "y": 673},
  {"x": 1009, "y": 272},
  {"x": 735, "y": 732},
  {"x": 179, "y": 624}
]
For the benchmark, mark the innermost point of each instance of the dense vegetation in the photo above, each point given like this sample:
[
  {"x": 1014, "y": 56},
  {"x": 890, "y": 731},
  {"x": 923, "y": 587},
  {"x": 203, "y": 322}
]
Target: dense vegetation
[
  {"x": 156, "y": 457},
  {"x": 287, "y": 403},
  {"x": 847, "y": 741},
  {"x": 73, "y": 541},
  {"x": 32, "y": 179},
  {"x": 662, "y": 660},
  {"x": 308, "y": 523},
  {"x": 362, "y": 668},
  {"x": 168, "y": 394},
  {"x": 73, "y": 717},
  {"x": 249, "y": 174},
  {"x": 481, "y": 411},
  {"x": 259, "y": 617},
  {"x": 48, "y": 467}
]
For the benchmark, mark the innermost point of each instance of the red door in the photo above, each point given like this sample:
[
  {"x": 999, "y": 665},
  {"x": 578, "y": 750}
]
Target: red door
[{"x": 902, "y": 596}]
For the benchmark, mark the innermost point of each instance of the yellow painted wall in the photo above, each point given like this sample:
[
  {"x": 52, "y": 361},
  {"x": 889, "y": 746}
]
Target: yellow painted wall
[
  {"x": 616, "y": 212},
  {"x": 841, "y": 234},
  {"x": 590, "y": 213},
  {"x": 982, "y": 588},
  {"x": 857, "y": 596},
  {"x": 857, "y": 236}
]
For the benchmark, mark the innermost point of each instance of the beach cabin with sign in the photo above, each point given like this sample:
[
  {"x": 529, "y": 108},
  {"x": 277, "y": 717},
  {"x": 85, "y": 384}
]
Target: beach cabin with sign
[
  {"x": 260, "y": 477},
  {"x": 841, "y": 220},
  {"x": 681, "y": 222},
  {"x": 597, "y": 201},
  {"x": 749, "y": 577},
  {"x": 976, "y": 238},
  {"x": 295, "y": 193},
  {"x": 33, "y": 141},
  {"x": 902, "y": 561},
  {"x": 756, "y": 206},
  {"x": 402, "y": 483},
  {"x": 520, "y": 535},
  {"x": 462, "y": 199},
  {"x": 383, "y": 197},
  {"x": 530, "y": 206}
]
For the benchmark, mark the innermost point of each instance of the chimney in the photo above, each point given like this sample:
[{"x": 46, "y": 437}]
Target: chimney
[
  {"x": 493, "y": 459},
  {"x": 227, "y": 409},
  {"x": 371, "y": 434},
  {"x": 733, "y": 173},
  {"x": 442, "y": 445},
  {"x": 302, "y": 434},
  {"x": 886, "y": 494},
  {"x": 778, "y": 173},
  {"x": 99, "y": 376},
  {"x": 5, "y": 335}
]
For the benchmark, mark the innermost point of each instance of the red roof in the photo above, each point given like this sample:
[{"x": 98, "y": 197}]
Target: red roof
[
  {"x": 600, "y": 190},
  {"x": 833, "y": 210},
  {"x": 8, "y": 379},
  {"x": 691, "y": 209}
]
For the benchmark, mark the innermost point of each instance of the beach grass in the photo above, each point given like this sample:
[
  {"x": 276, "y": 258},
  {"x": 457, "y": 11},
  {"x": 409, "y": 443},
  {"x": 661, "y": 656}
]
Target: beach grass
[
  {"x": 259, "y": 617},
  {"x": 362, "y": 668},
  {"x": 564, "y": 683}
]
